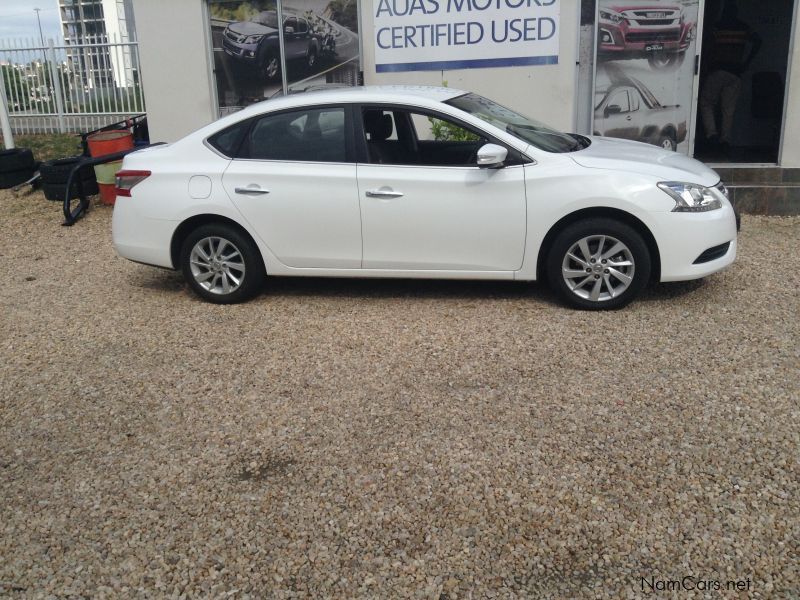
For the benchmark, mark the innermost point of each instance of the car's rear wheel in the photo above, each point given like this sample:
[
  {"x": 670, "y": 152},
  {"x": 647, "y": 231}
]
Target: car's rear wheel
[
  {"x": 221, "y": 264},
  {"x": 598, "y": 264}
]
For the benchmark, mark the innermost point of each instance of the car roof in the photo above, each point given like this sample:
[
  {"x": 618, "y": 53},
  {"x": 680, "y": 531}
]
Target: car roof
[
  {"x": 414, "y": 95},
  {"x": 369, "y": 93}
]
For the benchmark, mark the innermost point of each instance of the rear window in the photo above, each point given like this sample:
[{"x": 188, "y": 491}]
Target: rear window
[
  {"x": 309, "y": 134},
  {"x": 229, "y": 140}
]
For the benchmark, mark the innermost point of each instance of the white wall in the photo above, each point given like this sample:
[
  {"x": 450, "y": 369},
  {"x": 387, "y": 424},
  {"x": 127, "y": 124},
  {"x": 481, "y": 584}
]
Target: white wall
[
  {"x": 545, "y": 92},
  {"x": 790, "y": 156},
  {"x": 176, "y": 73}
]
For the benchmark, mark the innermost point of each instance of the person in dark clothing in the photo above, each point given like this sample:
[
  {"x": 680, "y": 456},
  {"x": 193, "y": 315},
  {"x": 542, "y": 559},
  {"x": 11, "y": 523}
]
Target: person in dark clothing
[{"x": 728, "y": 51}]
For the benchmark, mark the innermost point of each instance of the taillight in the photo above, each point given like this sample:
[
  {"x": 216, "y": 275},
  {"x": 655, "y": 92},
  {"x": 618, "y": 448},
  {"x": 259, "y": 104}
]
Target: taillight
[{"x": 127, "y": 179}]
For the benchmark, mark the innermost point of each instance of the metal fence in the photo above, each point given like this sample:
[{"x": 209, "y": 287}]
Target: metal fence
[{"x": 70, "y": 87}]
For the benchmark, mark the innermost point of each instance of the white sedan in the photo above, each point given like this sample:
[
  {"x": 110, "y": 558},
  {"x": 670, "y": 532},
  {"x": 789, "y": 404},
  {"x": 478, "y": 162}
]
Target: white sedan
[{"x": 405, "y": 181}]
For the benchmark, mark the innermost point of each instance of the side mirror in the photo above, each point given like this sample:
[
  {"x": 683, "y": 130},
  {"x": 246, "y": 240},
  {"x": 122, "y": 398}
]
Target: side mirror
[
  {"x": 613, "y": 109},
  {"x": 491, "y": 156},
  {"x": 288, "y": 29}
]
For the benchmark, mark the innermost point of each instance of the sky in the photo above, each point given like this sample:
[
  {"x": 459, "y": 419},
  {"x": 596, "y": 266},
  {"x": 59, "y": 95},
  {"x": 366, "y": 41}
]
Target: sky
[{"x": 18, "y": 20}]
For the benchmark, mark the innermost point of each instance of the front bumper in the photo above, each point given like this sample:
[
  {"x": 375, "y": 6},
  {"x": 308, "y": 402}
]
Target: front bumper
[
  {"x": 621, "y": 38},
  {"x": 246, "y": 52},
  {"x": 682, "y": 239}
]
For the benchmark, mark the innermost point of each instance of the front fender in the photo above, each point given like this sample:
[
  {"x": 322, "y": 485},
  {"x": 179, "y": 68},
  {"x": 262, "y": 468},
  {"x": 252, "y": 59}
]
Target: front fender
[{"x": 551, "y": 197}]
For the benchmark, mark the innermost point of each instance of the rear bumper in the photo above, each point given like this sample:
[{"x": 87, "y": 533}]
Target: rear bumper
[{"x": 141, "y": 239}]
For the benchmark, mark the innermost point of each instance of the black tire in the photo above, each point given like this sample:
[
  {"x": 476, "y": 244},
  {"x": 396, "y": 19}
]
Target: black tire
[
  {"x": 57, "y": 171},
  {"x": 58, "y": 191},
  {"x": 311, "y": 57},
  {"x": 251, "y": 280},
  {"x": 597, "y": 226},
  {"x": 15, "y": 160},
  {"x": 665, "y": 140},
  {"x": 12, "y": 178},
  {"x": 660, "y": 61}
]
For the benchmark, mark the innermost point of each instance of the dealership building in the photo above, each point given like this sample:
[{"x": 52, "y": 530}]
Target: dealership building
[{"x": 718, "y": 80}]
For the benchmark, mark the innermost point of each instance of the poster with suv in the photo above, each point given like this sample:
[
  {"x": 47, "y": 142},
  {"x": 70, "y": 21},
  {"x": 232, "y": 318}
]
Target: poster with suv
[
  {"x": 320, "y": 44},
  {"x": 645, "y": 70}
]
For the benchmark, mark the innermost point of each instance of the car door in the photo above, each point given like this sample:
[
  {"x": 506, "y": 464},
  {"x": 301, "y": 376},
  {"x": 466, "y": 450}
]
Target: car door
[
  {"x": 295, "y": 182},
  {"x": 617, "y": 118},
  {"x": 292, "y": 39},
  {"x": 427, "y": 208}
]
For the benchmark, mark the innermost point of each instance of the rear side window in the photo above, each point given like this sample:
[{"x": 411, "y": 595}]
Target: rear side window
[
  {"x": 229, "y": 140},
  {"x": 316, "y": 135}
]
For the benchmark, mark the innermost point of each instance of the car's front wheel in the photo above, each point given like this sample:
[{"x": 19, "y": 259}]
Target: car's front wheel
[
  {"x": 221, "y": 264},
  {"x": 665, "y": 61},
  {"x": 271, "y": 65},
  {"x": 598, "y": 264}
]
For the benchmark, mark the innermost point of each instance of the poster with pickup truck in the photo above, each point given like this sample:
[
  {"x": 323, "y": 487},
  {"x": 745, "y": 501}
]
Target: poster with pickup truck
[
  {"x": 643, "y": 88},
  {"x": 320, "y": 47}
]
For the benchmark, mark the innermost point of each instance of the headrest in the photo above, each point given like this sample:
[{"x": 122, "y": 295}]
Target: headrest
[{"x": 378, "y": 125}]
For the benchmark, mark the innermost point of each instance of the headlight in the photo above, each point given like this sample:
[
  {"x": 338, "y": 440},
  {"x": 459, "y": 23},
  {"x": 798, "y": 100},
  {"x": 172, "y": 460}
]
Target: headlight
[
  {"x": 610, "y": 16},
  {"x": 690, "y": 197},
  {"x": 252, "y": 39}
]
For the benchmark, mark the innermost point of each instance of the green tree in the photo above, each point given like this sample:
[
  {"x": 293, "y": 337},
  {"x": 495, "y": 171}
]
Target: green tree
[
  {"x": 239, "y": 11},
  {"x": 443, "y": 131},
  {"x": 18, "y": 92},
  {"x": 344, "y": 12}
]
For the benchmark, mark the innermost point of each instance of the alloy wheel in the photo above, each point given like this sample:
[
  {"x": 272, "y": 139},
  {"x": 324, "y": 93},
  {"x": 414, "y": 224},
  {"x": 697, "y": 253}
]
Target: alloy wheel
[
  {"x": 598, "y": 268},
  {"x": 272, "y": 67},
  {"x": 217, "y": 265}
]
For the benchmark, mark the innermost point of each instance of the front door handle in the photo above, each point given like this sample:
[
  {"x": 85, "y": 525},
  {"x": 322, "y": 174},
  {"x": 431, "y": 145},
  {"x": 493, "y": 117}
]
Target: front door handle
[
  {"x": 250, "y": 191},
  {"x": 383, "y": 193}
]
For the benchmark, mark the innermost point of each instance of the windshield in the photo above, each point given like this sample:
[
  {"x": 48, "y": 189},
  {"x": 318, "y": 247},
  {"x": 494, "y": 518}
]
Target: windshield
[
  {"x": 267, "y": 18},
  {"x": 527, "y": 129}
]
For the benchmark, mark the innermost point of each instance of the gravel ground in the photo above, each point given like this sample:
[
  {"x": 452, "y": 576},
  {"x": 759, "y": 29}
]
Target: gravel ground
[{"x": 391, "y": 439}]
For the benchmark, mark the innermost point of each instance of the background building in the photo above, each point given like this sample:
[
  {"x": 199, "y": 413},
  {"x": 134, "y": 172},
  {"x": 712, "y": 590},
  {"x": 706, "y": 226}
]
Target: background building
[{"x": 88, "y": 22}]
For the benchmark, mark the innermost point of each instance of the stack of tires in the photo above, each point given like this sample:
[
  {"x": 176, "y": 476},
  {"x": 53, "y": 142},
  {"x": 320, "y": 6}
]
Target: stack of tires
[
  {"x": 16, "y": 166},
  {"x": 54, "y": 175}
]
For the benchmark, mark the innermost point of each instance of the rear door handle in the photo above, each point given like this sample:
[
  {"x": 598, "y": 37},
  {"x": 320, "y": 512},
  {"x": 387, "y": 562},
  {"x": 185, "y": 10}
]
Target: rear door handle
[
  {"x": 383, "y": 193},
  {"x": 250, "y": 191}
]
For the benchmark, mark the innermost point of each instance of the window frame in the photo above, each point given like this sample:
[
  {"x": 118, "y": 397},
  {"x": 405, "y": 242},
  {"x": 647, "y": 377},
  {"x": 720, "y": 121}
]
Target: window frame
[
  {"x": 517, "y": 157},
  {"x": 621, "y": 92},
  {"x": 242, "y": 151}
]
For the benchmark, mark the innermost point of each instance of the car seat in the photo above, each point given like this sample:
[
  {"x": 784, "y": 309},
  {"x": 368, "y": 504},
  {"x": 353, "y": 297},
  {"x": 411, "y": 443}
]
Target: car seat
[{"x": 379, "y": 127}]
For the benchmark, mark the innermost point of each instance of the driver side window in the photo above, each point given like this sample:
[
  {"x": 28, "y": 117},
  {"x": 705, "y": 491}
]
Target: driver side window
[
  {"x": 403, "y": 137},
  {"x": 620, "y": 98}
]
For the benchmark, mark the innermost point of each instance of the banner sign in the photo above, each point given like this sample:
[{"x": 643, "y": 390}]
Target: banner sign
[{"x": 432, "y": 35}]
